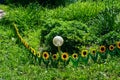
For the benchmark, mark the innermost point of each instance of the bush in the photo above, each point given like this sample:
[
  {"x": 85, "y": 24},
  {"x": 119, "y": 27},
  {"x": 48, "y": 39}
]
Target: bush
[
  {"x": 117, "y": 23},
  {"x": 72, "y": 32},
  {"x": 25, "y": 18},
  {"x": 82, "y": 11},
  {"x": 68, "y": 23},
  {"x": 109, "y": 38},
  {"x": 105, "y": 24}
]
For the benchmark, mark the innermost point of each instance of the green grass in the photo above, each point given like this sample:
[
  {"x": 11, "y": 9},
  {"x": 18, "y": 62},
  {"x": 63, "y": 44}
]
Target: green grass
[
  {"x": 15, "y": 63},
  {"x": 83, "y": 11},
  {"x": 4, "y": 7}
]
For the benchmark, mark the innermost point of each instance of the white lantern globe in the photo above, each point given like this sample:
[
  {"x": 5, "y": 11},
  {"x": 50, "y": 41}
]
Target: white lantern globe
[{"x": 58, "y": 41}]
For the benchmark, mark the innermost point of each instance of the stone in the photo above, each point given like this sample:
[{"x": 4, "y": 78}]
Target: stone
[{"x": 2, "y": 13}]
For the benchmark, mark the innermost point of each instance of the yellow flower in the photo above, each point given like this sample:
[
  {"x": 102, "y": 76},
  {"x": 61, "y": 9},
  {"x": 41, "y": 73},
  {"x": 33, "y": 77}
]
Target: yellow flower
[
  {"x": 84, "y": 53},
  {"x": 54, "y": 56},
  {"x": 45, "y": 55},
  {"x": 118, "y": 45},
  {"x": 22, "y": 40},
  {"x": 93, "y": 51},
  {"x": 33, "y": 51},
  {"x": 111, "y": 47},
  {"x": 102, "y": 49},
  {"x": 74, "y": 55},
  {"x": 19, "y": 36},
  {"x": 26, "y": 45},
  {"x": 65, "y": 56},
  {"x": 38, "y": 54}
]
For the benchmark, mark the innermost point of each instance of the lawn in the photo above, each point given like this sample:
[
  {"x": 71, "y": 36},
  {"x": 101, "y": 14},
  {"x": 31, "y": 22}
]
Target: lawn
[{"x": 37, "y": 25}]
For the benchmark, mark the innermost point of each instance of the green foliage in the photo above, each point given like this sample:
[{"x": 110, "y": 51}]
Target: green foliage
[
  {"x": 66, "y": 21},
  {"x": 14, "y": 60},
  {"x": 4, "y": 7},
  {"x": 105, "y": 21},
  {"x": 105, "y": 26},
  {"x": 110, "y": 38},
  {"x": 82, "y": 11},
  {"x": 72, "y": 33},
  {"x": 117, "y": 23},
  {"x": 25, "y": 18}
]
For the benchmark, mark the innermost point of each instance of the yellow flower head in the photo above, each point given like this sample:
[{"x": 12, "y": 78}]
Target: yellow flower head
[
  {"x": 102, "y": 49},
  {"x": 93, "y": 51},
  {"x": 74, "y": 55},
  {"x": 45, "y": 55},
  {"x": 33, "y": 51},
  {"x": 118, "y": 45},
  {"x": 111, "y": 47},
  {"x": 65, "y": 56},
  {"x": 84, "y": 53},
  {"x": 19, "y": 36},
  {"x": 22, "y": 40},
  {"x": 26, "y": 45},
  {"x": 54, "y": 56},
  {"x": 38, "y": 55}
]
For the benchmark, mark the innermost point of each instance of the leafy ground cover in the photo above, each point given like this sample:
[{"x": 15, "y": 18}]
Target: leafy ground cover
[{"x": 35, "y": 23}]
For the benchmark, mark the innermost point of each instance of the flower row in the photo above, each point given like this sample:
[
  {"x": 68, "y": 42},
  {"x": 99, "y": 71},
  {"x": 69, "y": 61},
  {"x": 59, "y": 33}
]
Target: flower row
[{"x": 84, "y": 56}]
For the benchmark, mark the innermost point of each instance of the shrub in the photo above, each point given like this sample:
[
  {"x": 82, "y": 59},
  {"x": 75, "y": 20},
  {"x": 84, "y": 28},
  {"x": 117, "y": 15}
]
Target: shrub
[
  {"x": 109, "y": 38},
  {"x": 117, "y": 23},
  {"x": 105, "y": 24},
  {"x": 72, "y": 32},
  {"x": 25, "y": 17},
  {"x": 82, "y": 11}
]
